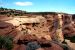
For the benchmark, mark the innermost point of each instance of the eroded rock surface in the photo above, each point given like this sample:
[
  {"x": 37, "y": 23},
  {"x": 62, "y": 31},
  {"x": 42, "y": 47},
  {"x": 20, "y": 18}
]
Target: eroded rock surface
[{"x": 38, "y": 28}]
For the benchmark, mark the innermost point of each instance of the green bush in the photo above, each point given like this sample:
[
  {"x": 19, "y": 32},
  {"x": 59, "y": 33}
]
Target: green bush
[
  {"x": 6, "y": 42},
  {"x": 72, "y": 39}
]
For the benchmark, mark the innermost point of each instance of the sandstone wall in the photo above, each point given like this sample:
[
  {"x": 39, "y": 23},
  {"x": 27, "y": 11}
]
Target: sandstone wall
[{"x": 42, "y": 29}]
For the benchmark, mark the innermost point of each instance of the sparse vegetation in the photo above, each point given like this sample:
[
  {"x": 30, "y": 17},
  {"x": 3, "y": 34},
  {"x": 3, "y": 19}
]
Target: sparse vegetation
[
  {"x": 72, "y": 39},
  {"x": 12, "y": 12},
  {"x": 6, "y": 42}
]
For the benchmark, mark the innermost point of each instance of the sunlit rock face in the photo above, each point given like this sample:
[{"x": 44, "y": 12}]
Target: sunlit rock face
[
  {"x": 42, "y": 29},
  {"x": 21, "y": 26}
]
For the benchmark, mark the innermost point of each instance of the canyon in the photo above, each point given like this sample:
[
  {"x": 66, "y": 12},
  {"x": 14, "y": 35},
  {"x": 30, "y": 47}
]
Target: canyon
[{"x": 47, "y": 29}]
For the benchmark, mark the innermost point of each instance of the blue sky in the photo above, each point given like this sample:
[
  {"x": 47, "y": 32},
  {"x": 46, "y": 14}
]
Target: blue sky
[{"x": 67, "y": 6}]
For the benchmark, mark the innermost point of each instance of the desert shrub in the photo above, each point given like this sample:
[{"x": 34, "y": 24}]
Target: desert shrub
[
  {"x": 32, "y": 46},
  {"x": 2, "y": 41},
  {"x": 72, "y": 39},
  {"x": 6, "y": 42}
]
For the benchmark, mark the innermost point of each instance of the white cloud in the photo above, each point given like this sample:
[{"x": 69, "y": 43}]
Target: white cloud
[{"x": 24, "y": 3}]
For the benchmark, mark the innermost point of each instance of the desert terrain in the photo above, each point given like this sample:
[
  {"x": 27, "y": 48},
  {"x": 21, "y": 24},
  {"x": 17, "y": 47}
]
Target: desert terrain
[{"x": 38, "y": 30}]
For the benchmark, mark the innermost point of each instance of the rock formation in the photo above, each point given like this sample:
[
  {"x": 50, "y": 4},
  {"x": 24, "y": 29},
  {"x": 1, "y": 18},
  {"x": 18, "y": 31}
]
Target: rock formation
[{"x": 40, "y": 28}]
